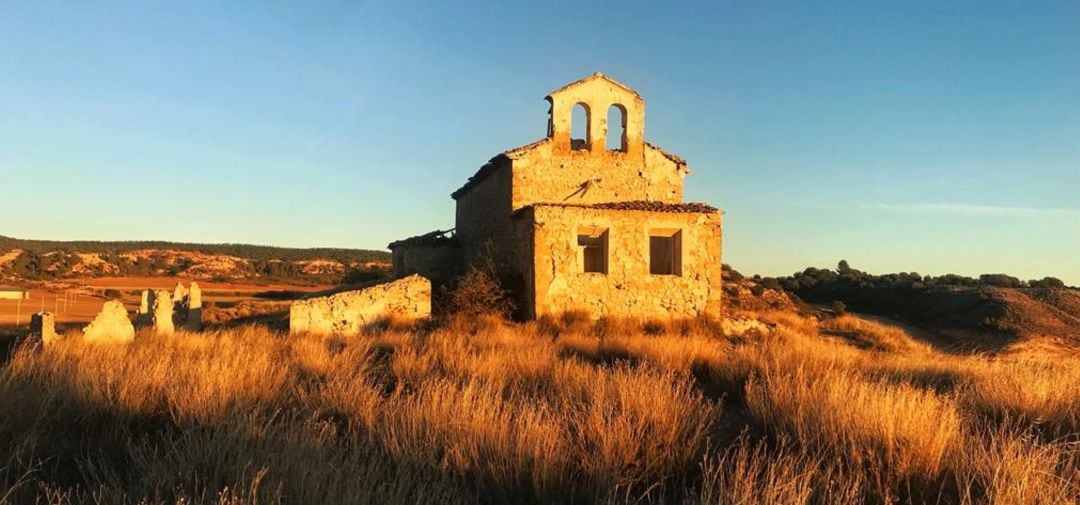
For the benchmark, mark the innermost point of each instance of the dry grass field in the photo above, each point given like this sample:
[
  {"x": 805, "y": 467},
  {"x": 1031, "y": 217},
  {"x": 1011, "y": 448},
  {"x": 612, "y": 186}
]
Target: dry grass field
[{"x": 480, "y": 411}]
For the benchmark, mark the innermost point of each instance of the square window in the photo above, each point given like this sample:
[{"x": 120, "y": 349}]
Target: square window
[
  {"x": 665, "y": 252},
  {"x": 593, "y": 243}
]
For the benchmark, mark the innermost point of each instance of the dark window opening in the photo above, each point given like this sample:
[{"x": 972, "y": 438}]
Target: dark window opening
[
  {"x": 665, "y": 252},
  {"x": 593, "y": 243}
]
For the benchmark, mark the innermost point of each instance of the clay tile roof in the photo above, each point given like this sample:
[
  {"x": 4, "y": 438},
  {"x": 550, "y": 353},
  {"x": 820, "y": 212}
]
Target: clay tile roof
[
  {"x": 430, "y": 239},
  {"x": 677, "y": 159},
  {"x": 493, "y": 164},
  {"x": 596, "y": 75},
  {"x": 643, "y": 205},
  {"x": 486, "y": 170}
]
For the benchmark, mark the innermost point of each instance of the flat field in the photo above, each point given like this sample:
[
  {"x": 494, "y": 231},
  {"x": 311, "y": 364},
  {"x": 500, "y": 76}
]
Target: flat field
[{"x": 79, "y": 300}]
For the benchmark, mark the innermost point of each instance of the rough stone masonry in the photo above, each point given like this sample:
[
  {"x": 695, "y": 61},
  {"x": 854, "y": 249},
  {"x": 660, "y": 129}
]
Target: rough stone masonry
[
  {"x": 142, "y": 317},
  {"x": 163, "y": 313},
  {"x": 194, "y": 312},
  {"x": 347, "y": 313},
  {"x": 43, "y": 328},
  {"x": 111, "y": 325}
]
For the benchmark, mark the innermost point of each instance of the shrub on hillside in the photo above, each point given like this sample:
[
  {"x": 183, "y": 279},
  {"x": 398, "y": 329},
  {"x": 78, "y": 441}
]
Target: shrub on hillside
[
  {"x": 1001, "y": 281},
  {"x": 363, "y": 274},
  {"x": 730, "y": 274},
  {"x": 1047, "y": 282}
]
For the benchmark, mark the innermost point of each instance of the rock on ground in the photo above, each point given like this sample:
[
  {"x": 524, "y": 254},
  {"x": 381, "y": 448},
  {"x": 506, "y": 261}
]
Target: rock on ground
[{"x": 111, "y": 325}]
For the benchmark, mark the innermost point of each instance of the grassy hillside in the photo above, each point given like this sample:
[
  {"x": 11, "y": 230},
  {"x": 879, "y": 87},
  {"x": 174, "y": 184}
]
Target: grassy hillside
[
  {"x": 788, "y": 410},
  {"x": 989, "y": 313}
]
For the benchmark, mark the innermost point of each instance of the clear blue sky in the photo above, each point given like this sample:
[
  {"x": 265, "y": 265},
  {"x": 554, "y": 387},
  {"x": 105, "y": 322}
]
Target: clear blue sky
[{"x": 903, "y": 136}]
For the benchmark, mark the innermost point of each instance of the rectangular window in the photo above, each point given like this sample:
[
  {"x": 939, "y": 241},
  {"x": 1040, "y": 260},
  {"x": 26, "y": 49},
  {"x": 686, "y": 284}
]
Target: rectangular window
[
  {"x": 593, "y": 243},
  {"x": 665, "y": 252}
]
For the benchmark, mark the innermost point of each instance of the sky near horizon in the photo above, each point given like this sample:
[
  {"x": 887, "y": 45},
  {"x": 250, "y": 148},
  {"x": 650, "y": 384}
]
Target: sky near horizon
[{"x": 932, "y": 137}]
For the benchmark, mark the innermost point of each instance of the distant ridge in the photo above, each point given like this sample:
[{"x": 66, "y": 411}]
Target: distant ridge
[
  {"x": 22, "y": 259},
  {"x": 247, "y": 251}
]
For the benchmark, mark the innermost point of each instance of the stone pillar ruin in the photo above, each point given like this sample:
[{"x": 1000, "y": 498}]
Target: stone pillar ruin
[
  {"x": 194, "y": 315},
  {"x": 163, "y": 313},
  {"x": 111, "y": 325},
  {"x": 179, "y": 294},
  {"x": 43, "y": 328},
  {"x": 142, "y": 317}
]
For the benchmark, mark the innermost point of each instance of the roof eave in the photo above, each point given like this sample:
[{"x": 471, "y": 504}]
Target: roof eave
[{"x": 594, "y": 76}]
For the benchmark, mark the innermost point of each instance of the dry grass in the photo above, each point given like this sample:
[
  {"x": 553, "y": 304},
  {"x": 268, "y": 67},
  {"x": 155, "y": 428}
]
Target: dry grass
[
  {"x": 874, "y": 336},
  {"x": 480, "y": 411},
  {"x": 1045, "y": 393}
]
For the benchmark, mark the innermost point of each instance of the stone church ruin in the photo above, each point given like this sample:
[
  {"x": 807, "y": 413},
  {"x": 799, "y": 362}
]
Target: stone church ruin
[{"x": 594, "y": 224}]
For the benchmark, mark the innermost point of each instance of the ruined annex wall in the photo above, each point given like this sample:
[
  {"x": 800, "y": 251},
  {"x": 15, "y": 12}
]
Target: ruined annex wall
[
  {"x": 439, "y": 263},
  {"x": 628, "y": 289},
  {"x": 482, "y": 211},
  {"x": 543, "y": 175},
  {"x": 487, "y": 231},
  {"x": 349, "y": 312},
  {"x": 524, "y": 234}
]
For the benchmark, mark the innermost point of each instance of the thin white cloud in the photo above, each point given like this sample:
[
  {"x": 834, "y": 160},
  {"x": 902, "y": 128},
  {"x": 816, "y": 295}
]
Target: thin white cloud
[{"x": 963, "y": 209}]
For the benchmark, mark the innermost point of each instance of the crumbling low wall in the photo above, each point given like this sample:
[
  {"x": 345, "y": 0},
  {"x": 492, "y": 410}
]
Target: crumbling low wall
[{"x": 348, "y": 313}]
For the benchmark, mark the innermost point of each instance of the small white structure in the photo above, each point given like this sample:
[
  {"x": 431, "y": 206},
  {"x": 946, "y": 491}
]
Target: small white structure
[{"x": 14, "y": 293}]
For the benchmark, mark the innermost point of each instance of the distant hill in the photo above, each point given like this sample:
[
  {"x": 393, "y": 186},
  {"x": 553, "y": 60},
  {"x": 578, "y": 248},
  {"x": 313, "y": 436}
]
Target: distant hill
[
  {"x": 49, "y": 259},
  {"x": 992, "y": 312}
]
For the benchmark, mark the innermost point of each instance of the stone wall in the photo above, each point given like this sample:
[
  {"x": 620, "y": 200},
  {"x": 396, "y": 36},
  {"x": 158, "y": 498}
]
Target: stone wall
[
  {"x": 483, "y": 214},
  {"x": 439, "y": 263},
  {"x": 628, "y": 289},
  {"x": 349, "y": 312},
  {"x": 487, "y": 231},
  {"x": 542, "y": 174}
]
